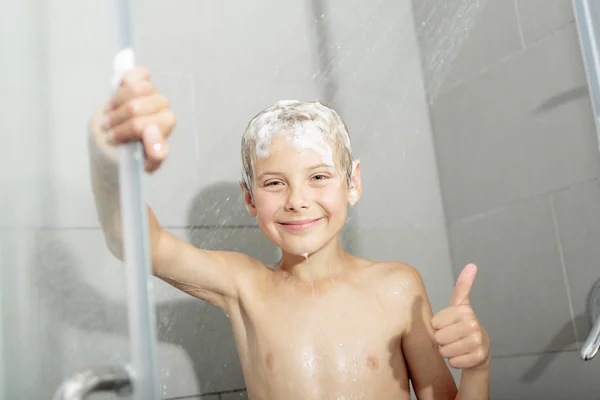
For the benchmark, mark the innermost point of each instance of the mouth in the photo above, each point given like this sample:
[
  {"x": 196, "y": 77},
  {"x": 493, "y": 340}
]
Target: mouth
[{"x": 300, "y": 225}]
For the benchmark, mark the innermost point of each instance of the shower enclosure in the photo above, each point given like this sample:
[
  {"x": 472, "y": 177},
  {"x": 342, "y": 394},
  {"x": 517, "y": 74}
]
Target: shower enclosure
[{"x": 473, "y": 122}]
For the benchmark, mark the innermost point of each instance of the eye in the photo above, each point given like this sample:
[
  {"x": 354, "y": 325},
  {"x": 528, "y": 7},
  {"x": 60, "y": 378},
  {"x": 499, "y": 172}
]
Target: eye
[
  {"x": 273, "y": 183},
  {"x": 320, "y": 177}
]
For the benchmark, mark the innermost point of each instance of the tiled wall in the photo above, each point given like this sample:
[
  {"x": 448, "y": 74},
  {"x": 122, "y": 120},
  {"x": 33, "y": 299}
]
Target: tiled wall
[
  {"x": 518, "y": 161},
  {"x": 230, "y": 395},
  {"x": 64, "y": 295}
]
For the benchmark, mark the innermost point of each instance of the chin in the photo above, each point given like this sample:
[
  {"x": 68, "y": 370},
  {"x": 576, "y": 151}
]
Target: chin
[
  {"x": 303, "y": 247},
  {"x": 299, "y": 251}
]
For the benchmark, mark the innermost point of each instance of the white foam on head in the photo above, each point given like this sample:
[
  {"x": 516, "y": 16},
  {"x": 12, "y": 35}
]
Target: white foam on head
[
  {"x": 304, "y": 135},
  {"x": 305, "y": 125}
]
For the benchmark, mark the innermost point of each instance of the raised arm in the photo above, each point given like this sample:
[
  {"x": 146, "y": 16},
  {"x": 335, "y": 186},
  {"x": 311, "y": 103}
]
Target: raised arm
[
  {"x": 429, "y": 374},
  {"x": 139, "y": 112},
  {"x": 453, "y": 333}
]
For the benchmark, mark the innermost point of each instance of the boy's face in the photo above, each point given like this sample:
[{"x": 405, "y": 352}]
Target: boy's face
[{"x": 299, "y": 202}]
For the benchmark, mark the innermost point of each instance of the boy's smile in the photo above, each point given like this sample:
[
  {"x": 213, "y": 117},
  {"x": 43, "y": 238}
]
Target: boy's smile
[{"x": 300, "y": 225}]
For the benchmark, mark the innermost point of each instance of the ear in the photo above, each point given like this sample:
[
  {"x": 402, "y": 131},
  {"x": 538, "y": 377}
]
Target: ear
[
  {"x": 355, "y": 190},
  {"x": 248, "y": 200}
]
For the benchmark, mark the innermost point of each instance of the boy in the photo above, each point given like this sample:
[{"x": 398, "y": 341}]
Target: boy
[{"x": 321, "y": 324}]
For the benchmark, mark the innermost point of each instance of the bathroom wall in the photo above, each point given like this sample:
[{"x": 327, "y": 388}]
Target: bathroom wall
[
  {"x": 518, "y": 163},
  {"x": 63, "y": 294}
]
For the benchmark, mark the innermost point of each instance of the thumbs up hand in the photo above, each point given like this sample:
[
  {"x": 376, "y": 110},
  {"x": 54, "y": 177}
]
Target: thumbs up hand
[{"x": 459, "y": 335}]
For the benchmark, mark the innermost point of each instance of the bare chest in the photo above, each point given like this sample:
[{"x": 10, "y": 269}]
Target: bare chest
[{"x": 340, "y": 338}]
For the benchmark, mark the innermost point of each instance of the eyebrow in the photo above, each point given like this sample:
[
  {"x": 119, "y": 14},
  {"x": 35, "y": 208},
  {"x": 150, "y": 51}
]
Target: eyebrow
[
  {"x": 281, "y": 174},
  {"x": 320, "y": 166}
]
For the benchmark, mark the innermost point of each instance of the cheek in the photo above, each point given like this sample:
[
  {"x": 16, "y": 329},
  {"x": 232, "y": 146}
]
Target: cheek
[
  {"x": 267, "y": 205},
  {"x": 333, "y": 198}
]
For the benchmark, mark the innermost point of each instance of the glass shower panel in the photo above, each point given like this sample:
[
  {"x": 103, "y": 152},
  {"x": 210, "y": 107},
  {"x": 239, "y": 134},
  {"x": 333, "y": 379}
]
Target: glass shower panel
[{"x": 62, "y": 294}]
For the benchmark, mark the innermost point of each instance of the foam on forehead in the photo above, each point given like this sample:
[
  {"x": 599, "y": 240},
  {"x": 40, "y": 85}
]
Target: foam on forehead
[{"x": 307, "y": 125}]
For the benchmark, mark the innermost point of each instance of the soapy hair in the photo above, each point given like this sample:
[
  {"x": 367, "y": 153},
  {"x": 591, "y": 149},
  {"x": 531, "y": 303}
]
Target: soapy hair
[{"x": 302, "y": 122}]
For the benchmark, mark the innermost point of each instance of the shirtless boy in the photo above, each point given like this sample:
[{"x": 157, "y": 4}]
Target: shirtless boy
[{"x": 321, "y": 324}]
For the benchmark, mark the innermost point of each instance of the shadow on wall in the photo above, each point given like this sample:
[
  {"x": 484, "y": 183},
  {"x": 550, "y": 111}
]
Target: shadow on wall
[
  {"x": 562, "y": 340},
  {"x": 199, "y": 328}
]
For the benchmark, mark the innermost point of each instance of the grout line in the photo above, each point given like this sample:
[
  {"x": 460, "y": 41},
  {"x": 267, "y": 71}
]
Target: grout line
[
  {"x": 469, "y": 218},
  {"x": 218, "y": 394},
  {"x": 536, "y": 353},
  {"x": 564, "y": 268},
  {"x": 485, "y": 69},
  {"x": 519, "y": 24}
]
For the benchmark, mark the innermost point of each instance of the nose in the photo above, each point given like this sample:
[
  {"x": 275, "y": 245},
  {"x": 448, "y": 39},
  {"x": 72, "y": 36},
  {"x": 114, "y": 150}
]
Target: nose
[{"x": 296, "y": 199}]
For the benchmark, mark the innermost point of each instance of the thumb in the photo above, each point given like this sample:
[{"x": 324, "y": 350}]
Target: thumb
[{"x": 463, "y": 285}]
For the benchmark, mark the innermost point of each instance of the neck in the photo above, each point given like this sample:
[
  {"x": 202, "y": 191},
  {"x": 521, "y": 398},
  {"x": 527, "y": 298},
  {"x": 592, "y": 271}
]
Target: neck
[{"x": 327, "y": 262}]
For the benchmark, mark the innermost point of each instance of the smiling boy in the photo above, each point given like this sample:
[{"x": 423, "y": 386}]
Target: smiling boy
[{"x": 321, "y": 323}]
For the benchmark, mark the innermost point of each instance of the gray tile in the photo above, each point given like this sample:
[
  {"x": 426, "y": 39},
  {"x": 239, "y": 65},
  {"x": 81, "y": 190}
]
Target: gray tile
[
  {"x": 390, "y": 133},
  {"x": 199, "y": 183},
  {"x": 371, "y": 49},
  {"x": 578, "y": 216},
  {"x": 540, "y": 18},
  {"x": 249, "y": 241},
  {"x": 190, "y": 189},
  {"x": 234, "y": 396},
  {"x": 203, "y": 397},
  {"x": 548, "y": 376},
  {"x": 197, "y": 352},
  {"x": 458, "y": 39},
  {"x": 519, "y": 293},
  {"x": 523, "y": 128}
]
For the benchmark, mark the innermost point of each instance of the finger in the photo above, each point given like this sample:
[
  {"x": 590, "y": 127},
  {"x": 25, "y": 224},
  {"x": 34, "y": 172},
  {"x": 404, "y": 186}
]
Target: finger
[
  {"x": 450, "y": 315},
  {"x": 455, "y": 332},
  {"x": 464, "y": 283},
  {"x": 136, "y": 107},
  {"x": 140, "y": 88},
  {"x": 469, "y": 360},
  {"x": 133, "y": 129},
  {"x": 138, "y": 73},
  {"x": 468, "y": 344},
  {"x": 151, "y": 166},
  {"x": 155, "y": 145}
]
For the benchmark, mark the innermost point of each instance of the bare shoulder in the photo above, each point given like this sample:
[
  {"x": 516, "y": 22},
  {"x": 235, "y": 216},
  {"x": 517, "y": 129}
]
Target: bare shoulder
[
  {"x": 397, "y": 285},
  {"x": 396, "y": 273}
]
